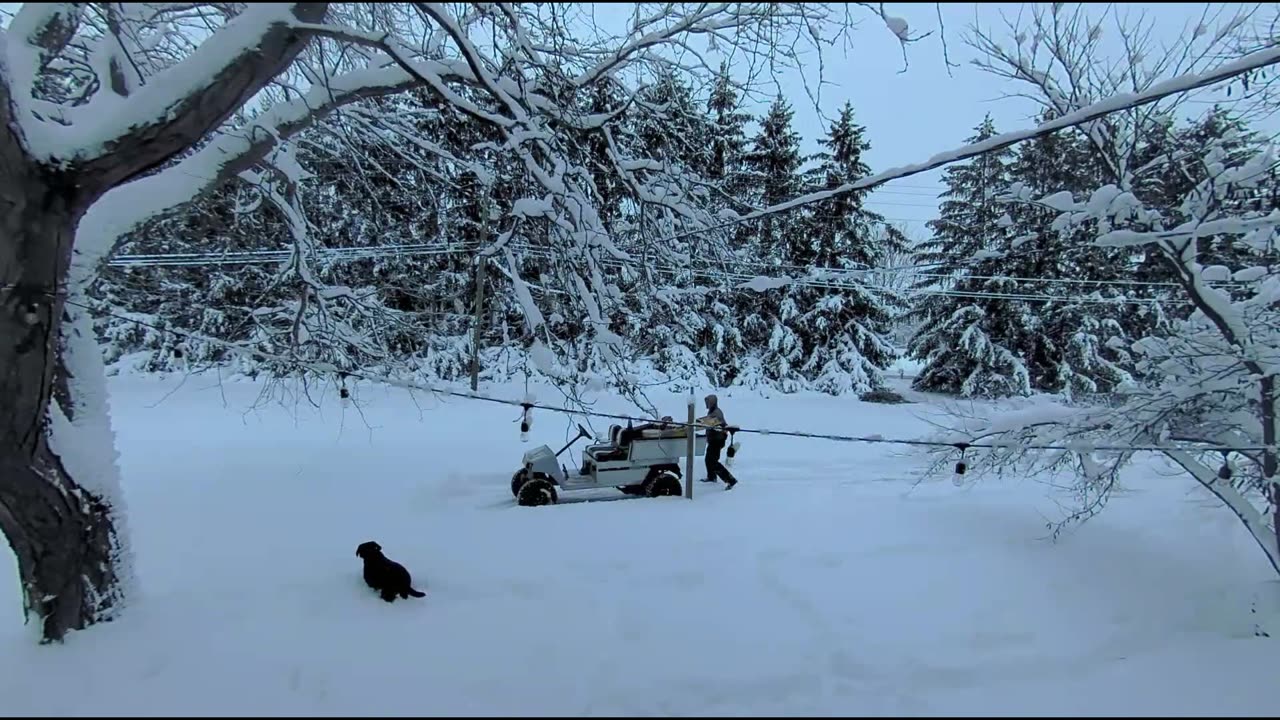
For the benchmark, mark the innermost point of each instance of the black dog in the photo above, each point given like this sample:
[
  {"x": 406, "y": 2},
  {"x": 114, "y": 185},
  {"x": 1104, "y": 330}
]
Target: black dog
[{"x": 387, "y": 576}]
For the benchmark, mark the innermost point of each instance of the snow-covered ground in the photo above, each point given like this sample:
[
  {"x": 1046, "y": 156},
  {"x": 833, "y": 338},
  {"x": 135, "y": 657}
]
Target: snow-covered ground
[{"x": 826, "y": 583}]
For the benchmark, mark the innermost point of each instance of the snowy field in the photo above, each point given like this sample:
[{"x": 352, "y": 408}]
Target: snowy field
[{"x": 826, "y": 583}]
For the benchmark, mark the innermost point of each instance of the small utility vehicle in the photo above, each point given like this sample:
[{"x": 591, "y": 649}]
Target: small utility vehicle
[{"x": 641, "y": 461}]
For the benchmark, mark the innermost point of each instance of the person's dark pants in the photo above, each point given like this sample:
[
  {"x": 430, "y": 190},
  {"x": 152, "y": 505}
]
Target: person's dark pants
[{"x": 715, "y": 470}]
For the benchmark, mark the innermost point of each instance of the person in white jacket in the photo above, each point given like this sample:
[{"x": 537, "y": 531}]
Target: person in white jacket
[{"x": 716, "y": 439}]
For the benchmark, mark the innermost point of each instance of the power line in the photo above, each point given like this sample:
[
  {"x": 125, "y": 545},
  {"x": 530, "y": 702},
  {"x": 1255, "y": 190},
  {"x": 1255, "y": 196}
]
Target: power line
[
  {"x": 1070, "y": 300},
  {"x": 354, "y": 248},
  {"x": 542, "y": 253},
  {"x": 529, "y": 251},
  {"x": 901, "y": 204},
  {"x": 259, "y": 257},
  {"x": 743, "y": 279},
  {"x": 255, "y": 257},
  {"x": 330, "y": 369},
  {"x": 931, "y": 193}
]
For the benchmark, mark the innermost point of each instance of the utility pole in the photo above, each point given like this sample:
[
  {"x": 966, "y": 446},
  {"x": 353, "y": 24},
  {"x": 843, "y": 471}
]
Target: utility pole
[
  {"x": 693, "y": 442},
  {"x": 477, "y": 323},
  {"x": 478, "y": 319},
  {"x": 692, "y": 445}
]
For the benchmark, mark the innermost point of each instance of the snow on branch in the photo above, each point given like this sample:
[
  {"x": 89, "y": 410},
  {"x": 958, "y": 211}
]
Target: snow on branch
[
  {"x": 1057, "y": 55},
  {"x": 555, "y": 113},
  {"x": 1210, "y": 380},
  {"x": 37, "y": 34},
  {"x": 900, "y": 29},
  {"x": 117, "y": 135},
  {"x": 323, "y": 322},
  {"x": 126, "y": 207}
]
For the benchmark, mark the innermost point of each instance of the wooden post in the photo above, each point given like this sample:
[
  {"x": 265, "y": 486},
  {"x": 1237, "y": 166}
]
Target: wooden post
[
  {"x": 693, "y": 440},
  {"x": 692, "y": 445},
  {"x": 477, "y": 323}
]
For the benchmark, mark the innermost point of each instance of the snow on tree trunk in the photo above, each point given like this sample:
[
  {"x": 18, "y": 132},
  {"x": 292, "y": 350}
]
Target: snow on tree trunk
[
  {"x": 61, "y": 504},
  {"x": 63, "y": 529}
]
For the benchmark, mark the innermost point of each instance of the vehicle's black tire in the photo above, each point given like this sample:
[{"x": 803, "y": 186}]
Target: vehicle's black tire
[
  {"x": 536, "y": 492},
  {"x": 517, "y": 480},
  {"x": 662, "y": 484}
]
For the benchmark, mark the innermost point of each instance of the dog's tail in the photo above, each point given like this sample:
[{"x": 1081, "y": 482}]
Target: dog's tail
[{"x": 415, "y": 593}]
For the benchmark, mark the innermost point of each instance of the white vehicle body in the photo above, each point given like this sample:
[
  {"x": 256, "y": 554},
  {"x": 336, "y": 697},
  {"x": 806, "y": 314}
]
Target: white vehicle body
[{"x": 631, "y": 458}]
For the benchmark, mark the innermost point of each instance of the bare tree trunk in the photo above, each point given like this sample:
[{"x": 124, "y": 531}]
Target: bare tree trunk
[
  {"x": 1270, "y": 464},
  {"x": 62, "y": 534},
  {"x": 1275, "y": 508}
]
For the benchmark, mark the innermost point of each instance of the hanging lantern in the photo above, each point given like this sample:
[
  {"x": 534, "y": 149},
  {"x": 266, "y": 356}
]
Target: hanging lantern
[
  {"x": 526, "y": 422},
  {"x": 961, "y": 466}
]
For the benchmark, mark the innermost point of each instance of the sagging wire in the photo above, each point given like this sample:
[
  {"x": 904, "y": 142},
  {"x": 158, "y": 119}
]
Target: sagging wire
[{"x": 528, "y": 405}]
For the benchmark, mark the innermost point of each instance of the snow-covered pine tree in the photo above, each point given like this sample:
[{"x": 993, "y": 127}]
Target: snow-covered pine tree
[
  {"x": 844, "y": 331},
  {"x": 768, "y": 318},
  {"x": 673, "y": 128},
  {"x": 1209, "y": 380},
  {"x": 967, "y": 342},
  {"x": 212, "y": 301},
  {"x": 1073, "y": 342},
  {"x": 969, "y": 217},
  {"x": 773, "y": 176},
  {"x": 720, "y": 344},
  {"x": 727, "y": 139},
  {"x": 605, "y": 97},
  {"x": 1210, "y": 397}
]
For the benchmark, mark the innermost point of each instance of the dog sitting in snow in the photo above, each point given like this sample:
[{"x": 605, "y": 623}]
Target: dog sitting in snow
[{"x": 385, "y": 575}]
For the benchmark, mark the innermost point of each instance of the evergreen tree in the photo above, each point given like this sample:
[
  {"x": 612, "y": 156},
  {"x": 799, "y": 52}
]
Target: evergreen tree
[
  {"x": 727, "y": 138},
  {"x": 720, "y": 339},
  {"x": 968, "y": 343},
  {"x": 773, "y": 176},
  {"x": 1072, "y": 342},
  {"x": 968, "y": 222},
  {"x": 1186, "y": 163},
  {"x": 606, "y": 96},
  {"x": 676, "y": 131},
  {"x": 769, "y": 318},
  {"x": 845, "y": 331}
]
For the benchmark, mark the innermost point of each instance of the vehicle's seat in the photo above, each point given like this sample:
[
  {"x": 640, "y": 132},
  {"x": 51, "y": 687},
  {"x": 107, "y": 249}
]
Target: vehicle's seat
[
  {"x": 614, "y": 450},
  {"x": 607, "y": 454}
]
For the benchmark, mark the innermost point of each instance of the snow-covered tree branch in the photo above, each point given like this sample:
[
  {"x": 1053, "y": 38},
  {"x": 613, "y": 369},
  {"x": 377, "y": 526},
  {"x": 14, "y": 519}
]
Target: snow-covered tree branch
[
  {"x": 116, "y": 114},
  {"x": 1210, "y": 382},
  {"x": 1056, "y": 59}
]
